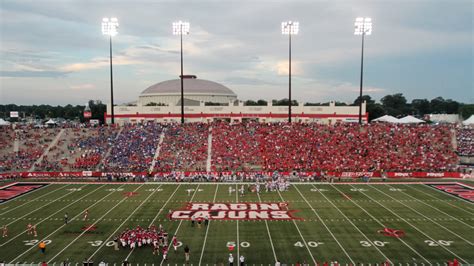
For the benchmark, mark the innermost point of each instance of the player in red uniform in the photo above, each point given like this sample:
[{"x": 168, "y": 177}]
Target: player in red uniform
[
  {"x": 175, "y": 243},
  {"x": 29, "y": 228},
  {"x": 33, "y": 228},
  {"x": 165, "y": 252}
]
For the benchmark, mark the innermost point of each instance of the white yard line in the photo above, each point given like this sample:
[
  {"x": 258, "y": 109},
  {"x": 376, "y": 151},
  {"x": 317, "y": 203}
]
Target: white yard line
[
  {"x": 301, "y": 235},
  {"x": 238, "y": 236},
  {"x": 157, "y": 152},
  {"x": 209, "y": 150},
  {"x": 29, "y": 193},
  {"x": 446, "y": 214},
  {"x": 426, "y": 217},
  {"x": 59, "y": 228},
  {"x": 410, "y": 224},
  {"x": 181, "y": 221},
  {"x": 355, "y": 226},
  {"x": 207, "y": 229},
  {"x": 96, "y": 221},
  {"x": 42, "y": 206},
  {"x": 450, "y": 195},
  {"x": 269, "y": 235},
  {"x": 375, "y": 219},
  {"x": 156, "y": 216},
  {"x": 124, "y": 221},
  {"x": 433, "y": 197},
  {"x": 9, "y": 240},
  {"x": 324, "y": 224}
]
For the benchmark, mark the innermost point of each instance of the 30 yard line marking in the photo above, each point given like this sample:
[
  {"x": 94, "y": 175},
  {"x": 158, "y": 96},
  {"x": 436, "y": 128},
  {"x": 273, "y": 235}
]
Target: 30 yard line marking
[
  {"x": 446, "y": 214},
  {"x": 301, "y": 235},
  {"x": 42, "y": 206},
  {"x": 156, "y": 216},
  {"x": 410, "y": 224},
  {"x": 375, "y": 219},
  {"x": 124, "y": 221},
  {"x": 96, "y": 221},
  {"x": 39, "y": 197},
  {"x": 324, "y": 224},
  {"x": 181, "y": 221},
  {"x": 426, "y": 217},
  {"x": 269, "y": 235},
  {"x": 11, "y": 239},
  {"x": 59, "y": 228},
  {"x": 467, "y": 210},
  {"x": 355, "y": 226},
  {"x": 207, "y": 229}
]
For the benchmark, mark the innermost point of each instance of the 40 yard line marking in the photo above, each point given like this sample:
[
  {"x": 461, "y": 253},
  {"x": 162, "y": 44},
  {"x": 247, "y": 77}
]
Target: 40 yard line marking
[
  {"x": 375, "y": 219},
  {"x": 45, "y": 219},
  {"x": 355, "y": 226},
  {"x": 181, "y": 221},
  {"x": 324, "y": 224},
  {"x": 446, "y": 214},
  {"x": 96, "y": 221},
  {"x": 124, "y": 221},
  {"x": 301, "y": 235},
  {"x": 156, "y": 216},
  {"x": 426, "y": 217},
  {"x": 28, "y": 202},
  {"x": 59, "y": 228},
  {"x": 268, "y": 231},
  {"x": 207, "y": 229},
  {"x": 410, "y": 224}
]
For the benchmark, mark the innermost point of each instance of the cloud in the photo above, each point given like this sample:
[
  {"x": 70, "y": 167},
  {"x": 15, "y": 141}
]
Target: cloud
[
  {"x": 36, "y": 74},
  {"x": 86, "y": 86}
]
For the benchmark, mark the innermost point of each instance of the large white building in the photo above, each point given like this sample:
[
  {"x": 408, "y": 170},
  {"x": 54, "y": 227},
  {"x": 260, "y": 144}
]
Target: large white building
[{"x": 162, "y": 103}]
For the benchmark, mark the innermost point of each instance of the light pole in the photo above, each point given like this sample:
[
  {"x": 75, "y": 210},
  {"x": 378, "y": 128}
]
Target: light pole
[
  {"x": 363, "y": 26},
  {"x": 109, "y": 27},
  {"x": 289, "y": 28},
  {"x": 181, "y": 28}
]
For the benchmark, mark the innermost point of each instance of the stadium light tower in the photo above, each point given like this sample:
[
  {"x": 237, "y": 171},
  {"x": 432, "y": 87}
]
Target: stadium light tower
[
  {"x": 289, "y": 28},
  {"x": 109, "y": 27},
  {"x": 363, "y": 26},
  {"x": 181, "y": 28}
]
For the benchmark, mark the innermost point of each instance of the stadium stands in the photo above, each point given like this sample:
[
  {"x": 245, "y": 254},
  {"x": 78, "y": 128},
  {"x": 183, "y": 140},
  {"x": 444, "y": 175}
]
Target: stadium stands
[{"x": 465, "y": 138}]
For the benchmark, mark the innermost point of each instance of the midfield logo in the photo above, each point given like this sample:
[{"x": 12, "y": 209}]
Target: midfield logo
[
  {"x": 234, "y": 211},
  {"x": 392, "y": 232}
]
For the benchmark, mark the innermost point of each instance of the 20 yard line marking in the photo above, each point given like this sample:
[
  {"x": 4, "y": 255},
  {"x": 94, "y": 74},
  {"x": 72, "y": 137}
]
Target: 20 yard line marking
[
  {"x": 324, "y": 224},
  {"x": 378, "y": 221},
  {"x": 124, "y": 221},
  {"x": 96, "y": 221},
  {"x": 426, "y": 217},
  {"x": 355, "y": 226},
  {"x": 59, "y": 228},
  {"x": 181, "y": 221},
  {"x": 207, "y": 229},
  {"x": 410, "y": 224},
  {"x": 154, "y": 219},
  {"x": 41, "y": 196},
  {"x": 268, "y": 231},
  {"x": 301, "y": 235}
]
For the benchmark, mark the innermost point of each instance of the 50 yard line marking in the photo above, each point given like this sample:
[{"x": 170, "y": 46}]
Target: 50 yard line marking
[
  {"x": 181, "y": 221},
  {"x": 152, "y": 221},
  {"x": 207, "y": 229},
  {"x": 301, "y": 235},
  {"x": 98, "y": 220},
  {"x": 268, "y": 231},
  {"x": 375, "y": 219},
  {"x": 59, "y": 228},
  {"x": 124, "y": 221},
  {"x": 410, "y": 224},
  {"x": 325, "y": 226}
]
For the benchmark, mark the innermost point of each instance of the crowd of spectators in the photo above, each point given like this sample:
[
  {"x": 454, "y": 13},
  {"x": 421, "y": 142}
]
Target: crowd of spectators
[{"x": 465, "y": 141}]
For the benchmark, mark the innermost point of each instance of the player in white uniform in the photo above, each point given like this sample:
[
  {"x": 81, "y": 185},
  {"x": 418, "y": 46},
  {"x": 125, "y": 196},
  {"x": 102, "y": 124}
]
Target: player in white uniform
[{"x": 230, "y": 190}]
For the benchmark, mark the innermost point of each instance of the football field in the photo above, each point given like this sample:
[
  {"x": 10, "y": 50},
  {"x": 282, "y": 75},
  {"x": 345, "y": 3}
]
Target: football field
[{"x": 349, "y": 223}]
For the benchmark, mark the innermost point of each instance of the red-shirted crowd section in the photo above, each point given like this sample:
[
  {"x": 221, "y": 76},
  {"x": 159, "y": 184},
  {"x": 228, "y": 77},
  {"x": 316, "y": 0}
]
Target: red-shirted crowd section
[{"x": 247, "y": 146}]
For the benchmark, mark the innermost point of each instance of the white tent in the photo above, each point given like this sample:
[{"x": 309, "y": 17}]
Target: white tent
[
  {"x": 469, "y": 121},
  {"x": 386, "y": 118},
  {"x": 50, "y": 122},
  {"x": 4, "y": 123},
  {"x": 410, "y": 120}
]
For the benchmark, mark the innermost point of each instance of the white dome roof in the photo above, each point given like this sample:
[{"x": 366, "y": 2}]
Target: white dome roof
[{"x": 191, "y": 86}]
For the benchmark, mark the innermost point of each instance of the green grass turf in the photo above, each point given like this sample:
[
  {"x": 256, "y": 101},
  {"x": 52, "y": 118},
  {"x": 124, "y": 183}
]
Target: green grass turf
[{"x": 437, "y": 227}]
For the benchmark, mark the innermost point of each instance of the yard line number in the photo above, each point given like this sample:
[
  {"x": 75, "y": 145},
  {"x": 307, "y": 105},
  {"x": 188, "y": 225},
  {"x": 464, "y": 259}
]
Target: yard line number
[{"x": 312, "y": 244}]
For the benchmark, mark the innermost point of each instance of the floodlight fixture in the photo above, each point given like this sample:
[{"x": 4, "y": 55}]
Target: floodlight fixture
[
  {"x": 290, "y": 27},
  {"x": 109, "y": 26},
  {"x": 180, "y": 28},
  {"x": 363, "y": 26}
]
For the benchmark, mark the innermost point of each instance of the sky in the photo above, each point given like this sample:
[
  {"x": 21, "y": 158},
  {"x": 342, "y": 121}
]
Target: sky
[{"x": 53, "y": 51}]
